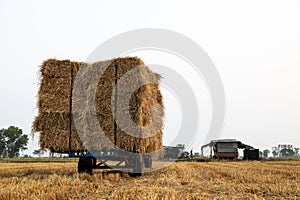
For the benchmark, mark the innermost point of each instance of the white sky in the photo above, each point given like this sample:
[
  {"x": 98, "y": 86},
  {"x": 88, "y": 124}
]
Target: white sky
[{"x": 255, "y": 46}]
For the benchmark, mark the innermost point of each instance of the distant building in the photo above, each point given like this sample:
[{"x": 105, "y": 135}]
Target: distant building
[
  {"x": 171, "y": 152},
  {"x": 228, "y": 149}
]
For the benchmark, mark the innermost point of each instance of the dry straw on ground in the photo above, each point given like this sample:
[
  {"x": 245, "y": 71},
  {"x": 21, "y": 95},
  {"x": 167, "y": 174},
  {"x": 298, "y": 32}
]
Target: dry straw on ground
[
  {"x": 54, "y": 117},
  {"x": 181, "y": 180}
]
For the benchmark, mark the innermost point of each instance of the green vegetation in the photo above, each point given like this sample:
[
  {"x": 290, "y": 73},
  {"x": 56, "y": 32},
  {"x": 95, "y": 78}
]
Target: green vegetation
[{"x": 12, "y": 141}]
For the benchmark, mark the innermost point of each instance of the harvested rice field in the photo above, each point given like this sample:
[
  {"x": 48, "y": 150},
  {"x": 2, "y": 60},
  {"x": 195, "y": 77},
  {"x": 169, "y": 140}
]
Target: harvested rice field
[{"x": 181, "y": 180}]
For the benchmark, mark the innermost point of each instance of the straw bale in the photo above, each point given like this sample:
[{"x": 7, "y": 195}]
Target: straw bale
[{"x": 53, "y": 120}]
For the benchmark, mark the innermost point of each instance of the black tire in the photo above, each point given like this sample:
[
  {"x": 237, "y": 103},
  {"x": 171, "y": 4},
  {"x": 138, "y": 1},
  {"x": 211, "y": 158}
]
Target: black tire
[
  {"x": 89, "y": 166},
  {"x": 128, "y": 162},
  {"x": 148, "y": 162},
  {"x": 80, "y": 165},
  {"x": 94, "y": 164},
  {"x": 138, "y": 166},
  {"x": 85, "y": 165}
]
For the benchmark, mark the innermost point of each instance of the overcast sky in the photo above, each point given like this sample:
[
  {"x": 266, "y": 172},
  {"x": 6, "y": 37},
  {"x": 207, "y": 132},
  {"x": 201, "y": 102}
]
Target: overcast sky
[{"x": 255, "y": 46}]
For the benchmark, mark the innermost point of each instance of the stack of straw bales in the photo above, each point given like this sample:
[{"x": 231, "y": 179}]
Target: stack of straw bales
[{"x": 55, "y": 118}]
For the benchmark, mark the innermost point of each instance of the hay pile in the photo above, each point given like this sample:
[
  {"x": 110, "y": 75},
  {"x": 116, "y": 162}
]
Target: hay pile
[{"x": 55, "y": 103}]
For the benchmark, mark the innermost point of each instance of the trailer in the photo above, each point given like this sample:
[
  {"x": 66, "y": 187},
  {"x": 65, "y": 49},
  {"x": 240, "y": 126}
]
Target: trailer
[
  {"x": 92, "y": 94},
  {"x": 133, "y": 163}
]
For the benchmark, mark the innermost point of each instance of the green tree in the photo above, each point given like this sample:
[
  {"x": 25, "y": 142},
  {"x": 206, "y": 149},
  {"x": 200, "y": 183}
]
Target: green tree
[
  {"x": 2, "y": 145},
  {"x": 12, "y": 141},
  {"x": 266, "y": 153}
]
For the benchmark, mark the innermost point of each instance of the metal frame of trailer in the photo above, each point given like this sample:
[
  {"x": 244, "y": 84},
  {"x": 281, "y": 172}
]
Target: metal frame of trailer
[{"x": 98, "y": 160}]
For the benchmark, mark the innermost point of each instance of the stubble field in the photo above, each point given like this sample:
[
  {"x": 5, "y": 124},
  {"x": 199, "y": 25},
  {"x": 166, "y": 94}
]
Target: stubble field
[{"x": 182, "y": 180}]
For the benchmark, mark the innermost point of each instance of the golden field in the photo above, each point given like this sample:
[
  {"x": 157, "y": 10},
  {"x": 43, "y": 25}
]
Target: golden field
[{"x": 182, "y": 180}]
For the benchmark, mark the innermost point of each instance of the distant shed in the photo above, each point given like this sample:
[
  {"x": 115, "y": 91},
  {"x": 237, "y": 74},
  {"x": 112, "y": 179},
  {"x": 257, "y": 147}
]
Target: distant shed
[{"x": 228, "y": 149}]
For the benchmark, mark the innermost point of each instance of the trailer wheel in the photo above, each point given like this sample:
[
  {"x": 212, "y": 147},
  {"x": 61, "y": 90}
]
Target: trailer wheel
[
  {"x": 148, "y": 161},
  {"x": 128, "y": 162},
  {"x": 138, "y": 166},
  {"x": 89, "y": 166},
  {"x": 85, "y": 165},
  {"x": 80, "y": 165}
]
